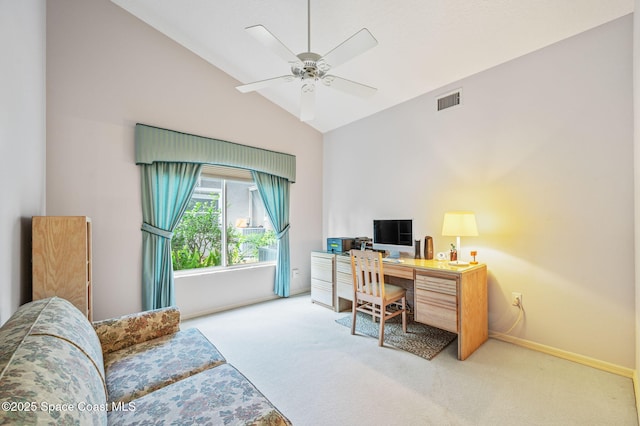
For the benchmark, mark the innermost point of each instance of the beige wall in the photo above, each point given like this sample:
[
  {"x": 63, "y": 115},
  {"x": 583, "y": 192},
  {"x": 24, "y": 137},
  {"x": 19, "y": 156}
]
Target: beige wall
[
  {"x": 542, "y": 150},
  {"x": 22, "y": 144},
  {"x": 106, "y": 70}
]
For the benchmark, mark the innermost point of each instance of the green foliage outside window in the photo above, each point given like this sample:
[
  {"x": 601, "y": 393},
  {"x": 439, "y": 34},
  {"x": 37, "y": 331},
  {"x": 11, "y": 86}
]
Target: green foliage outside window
[
  {"x": 197, "y": 240},
  {"x": 254, "y": 242}
]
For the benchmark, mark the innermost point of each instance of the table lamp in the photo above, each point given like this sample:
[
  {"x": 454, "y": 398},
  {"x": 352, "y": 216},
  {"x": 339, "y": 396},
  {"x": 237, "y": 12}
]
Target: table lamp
[{"x": 459, "y": 224}]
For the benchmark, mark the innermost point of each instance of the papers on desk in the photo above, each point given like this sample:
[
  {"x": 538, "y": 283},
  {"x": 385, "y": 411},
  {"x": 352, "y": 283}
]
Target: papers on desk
[{"x": 391, "y": 260}]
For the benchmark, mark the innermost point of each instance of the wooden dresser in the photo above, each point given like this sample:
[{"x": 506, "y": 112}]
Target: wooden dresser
[{"x": 61, "y": 260}]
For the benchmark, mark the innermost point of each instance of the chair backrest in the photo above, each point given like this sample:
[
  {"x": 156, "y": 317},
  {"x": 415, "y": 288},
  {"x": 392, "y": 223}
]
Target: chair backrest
[{"x": 368, "y": 274}]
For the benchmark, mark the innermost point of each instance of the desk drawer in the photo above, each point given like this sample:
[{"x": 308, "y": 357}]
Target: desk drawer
[
  {"x": 436, "y": 284},
  {"x": 322, "y": 292},
  {"x": 343, "y": 264},
  {"x": 437, "y": 309},
  {"x": 437, "y": 301},
  {"x": 344, "y": 291},
  {"x": 343, "y": 272},
  {"x": 322, "y": 269},
  {"x": 398, "y": 271}
]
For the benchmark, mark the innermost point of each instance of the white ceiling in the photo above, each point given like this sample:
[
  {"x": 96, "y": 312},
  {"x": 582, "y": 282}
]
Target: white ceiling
[{"x": 423, "y": 45}]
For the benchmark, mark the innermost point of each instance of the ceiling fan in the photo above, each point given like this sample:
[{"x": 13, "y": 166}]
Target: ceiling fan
[{"x": 310, "y": 68}]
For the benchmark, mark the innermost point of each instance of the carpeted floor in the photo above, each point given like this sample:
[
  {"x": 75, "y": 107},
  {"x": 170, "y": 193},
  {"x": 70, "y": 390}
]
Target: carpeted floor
[
  {"x": 420, "y": 339},
  {"x": 318, "y": 374}
]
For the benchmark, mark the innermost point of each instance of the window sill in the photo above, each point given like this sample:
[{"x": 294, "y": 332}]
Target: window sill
[{"x": 221, "y": 269}]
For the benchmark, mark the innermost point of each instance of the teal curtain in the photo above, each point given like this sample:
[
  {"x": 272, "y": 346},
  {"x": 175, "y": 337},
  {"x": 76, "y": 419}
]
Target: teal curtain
[
  {"x": 166, "y": 190},
  {"x": 274, "y": 191}
]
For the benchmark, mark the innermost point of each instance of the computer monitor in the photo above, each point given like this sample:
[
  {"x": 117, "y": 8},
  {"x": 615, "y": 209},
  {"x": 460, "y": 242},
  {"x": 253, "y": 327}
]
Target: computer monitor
[{"x": 394, "y": 235}]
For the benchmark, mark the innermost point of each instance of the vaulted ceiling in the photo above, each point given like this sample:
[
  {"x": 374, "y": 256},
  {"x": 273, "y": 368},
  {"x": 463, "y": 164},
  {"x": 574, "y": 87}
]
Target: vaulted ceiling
[{"x": 423, "y": 45}]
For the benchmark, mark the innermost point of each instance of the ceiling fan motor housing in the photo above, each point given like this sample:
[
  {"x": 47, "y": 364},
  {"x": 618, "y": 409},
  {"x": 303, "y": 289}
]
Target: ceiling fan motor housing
[{"x": 309, "y": 67}]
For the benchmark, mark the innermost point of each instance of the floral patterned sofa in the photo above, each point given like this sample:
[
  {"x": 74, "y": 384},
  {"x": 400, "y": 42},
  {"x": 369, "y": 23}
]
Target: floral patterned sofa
[{"x": 58, "y": 368}]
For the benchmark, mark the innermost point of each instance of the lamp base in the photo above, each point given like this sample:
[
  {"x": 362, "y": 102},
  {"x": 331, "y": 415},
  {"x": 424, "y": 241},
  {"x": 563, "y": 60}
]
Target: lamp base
[{"x": 458, "y": 263}]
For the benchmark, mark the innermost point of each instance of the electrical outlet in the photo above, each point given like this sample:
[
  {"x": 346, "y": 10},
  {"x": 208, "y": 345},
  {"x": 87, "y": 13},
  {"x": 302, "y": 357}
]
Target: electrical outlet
[{"x": 516, "y": 299}]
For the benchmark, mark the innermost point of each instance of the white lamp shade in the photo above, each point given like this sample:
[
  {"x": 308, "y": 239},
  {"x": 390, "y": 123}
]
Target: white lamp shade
[{"x": 459, "y": 224}]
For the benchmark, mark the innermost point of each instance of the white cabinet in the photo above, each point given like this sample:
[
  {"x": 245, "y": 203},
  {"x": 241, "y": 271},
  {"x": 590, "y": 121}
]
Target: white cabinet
[
  {"x": 344, "y": 283},
  {"x": 322, "y": 278}
]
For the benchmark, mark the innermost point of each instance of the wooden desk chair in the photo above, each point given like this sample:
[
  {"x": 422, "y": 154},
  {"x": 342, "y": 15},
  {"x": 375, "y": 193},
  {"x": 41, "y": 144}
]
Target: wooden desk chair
[{"x": 371, "y": 295}]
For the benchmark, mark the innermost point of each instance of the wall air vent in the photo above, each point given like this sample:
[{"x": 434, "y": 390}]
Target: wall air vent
[{"x": 449, "y": 100}]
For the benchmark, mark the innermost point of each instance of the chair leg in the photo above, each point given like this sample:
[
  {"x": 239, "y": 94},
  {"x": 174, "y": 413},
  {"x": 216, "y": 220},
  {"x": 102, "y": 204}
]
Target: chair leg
[
  {"x": 404, "y": 314},
  {"x": 353, "y": 319},
  {"x": 381, "y": 332}
]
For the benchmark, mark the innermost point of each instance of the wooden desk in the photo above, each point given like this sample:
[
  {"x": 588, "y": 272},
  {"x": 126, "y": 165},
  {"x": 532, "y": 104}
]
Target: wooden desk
[{"x": 447, "y": 297}]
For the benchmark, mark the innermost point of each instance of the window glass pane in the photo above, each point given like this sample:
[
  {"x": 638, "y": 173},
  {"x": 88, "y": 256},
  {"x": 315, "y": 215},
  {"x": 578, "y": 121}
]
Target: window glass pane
[
  {"x": 198, "y": 238},
  {"x": 205, "y": 189},
  {"x": 250, "y": 236}
]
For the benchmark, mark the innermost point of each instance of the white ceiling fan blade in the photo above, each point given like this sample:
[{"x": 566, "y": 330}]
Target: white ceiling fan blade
[
  {"x": 307, "y": 102},
  {"x": 348, "y": 86},
  {"x": 265, "y": 37},
  {"x": 257, "y": 85},
  {"x": 358, "y": 43}
]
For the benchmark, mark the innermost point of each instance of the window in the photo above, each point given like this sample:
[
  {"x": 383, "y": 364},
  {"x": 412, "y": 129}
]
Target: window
[{"x": 223, "y": 196}]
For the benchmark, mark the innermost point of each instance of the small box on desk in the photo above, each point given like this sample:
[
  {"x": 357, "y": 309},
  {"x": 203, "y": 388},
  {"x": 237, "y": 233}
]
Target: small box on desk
[{"x": 340, "y": 244}]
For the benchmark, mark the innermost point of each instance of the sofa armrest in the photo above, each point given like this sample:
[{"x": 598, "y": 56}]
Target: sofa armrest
[{"x": 128, "y": 330}]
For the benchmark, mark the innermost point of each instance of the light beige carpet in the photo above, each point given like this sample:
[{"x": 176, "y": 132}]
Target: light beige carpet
[{"x": 318, "y": 374}]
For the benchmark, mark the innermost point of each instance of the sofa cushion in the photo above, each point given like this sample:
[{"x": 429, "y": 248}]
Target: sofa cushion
[
  {"x": 128, "y": 330},
  {"x": 53, "y": 316},
  {"x": 51, "y": 366},
  {"x": 220, "y": 395},
  {"x": 51, "y": 381},
  {"x": 16, "y": 329},
  {"x": 56, "y": 317},
  {"x": 144, "y": 367},
  {"x": 61, "y": 319}
]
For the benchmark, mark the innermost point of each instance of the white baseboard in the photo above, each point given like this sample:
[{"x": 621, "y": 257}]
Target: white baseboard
[
  {"x": 581, "y": 359},
  {"x": 636, "y": 391},
  {"x": 193, "y": 315}
]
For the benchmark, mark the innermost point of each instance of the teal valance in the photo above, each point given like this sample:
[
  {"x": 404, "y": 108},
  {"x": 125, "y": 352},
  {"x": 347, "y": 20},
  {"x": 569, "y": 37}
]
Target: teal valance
[{"x": 154, "y": 144}]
